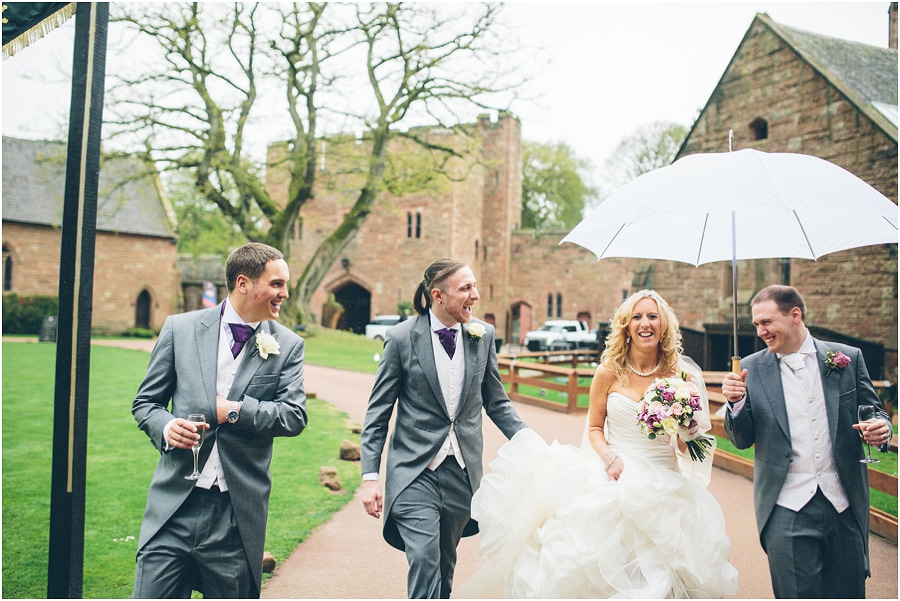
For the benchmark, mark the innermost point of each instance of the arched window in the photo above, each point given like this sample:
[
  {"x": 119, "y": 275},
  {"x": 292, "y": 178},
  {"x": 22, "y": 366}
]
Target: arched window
[
  {"x": 418, "y": 225},
  {"x": 7, "y": 269},
  {"x": 142, "y": 310},
  {"x": 549, "y": 304},
  {"x": 759, "y": 129},
  {"x": 409, "y": 225},
  {"x": 558, "y": 304}
]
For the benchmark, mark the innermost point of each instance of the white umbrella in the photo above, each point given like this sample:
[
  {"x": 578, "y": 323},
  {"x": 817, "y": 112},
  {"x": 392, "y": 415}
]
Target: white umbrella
[{"x": 745, "y": 204}]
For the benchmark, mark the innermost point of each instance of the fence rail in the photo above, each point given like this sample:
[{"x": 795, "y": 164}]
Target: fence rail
[{"x": 552, "y": 366}]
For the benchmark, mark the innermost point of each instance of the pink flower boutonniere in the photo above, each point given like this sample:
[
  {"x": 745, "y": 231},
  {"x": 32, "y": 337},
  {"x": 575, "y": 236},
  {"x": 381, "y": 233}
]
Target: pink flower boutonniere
[{"x": 835, "y": 361}]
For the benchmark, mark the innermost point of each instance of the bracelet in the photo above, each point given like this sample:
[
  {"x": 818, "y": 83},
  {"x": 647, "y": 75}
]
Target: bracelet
[{"x": 611, "y": 461}]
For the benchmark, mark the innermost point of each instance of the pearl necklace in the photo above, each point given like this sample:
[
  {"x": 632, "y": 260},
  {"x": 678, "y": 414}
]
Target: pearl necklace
[{"x": 641, "y": 373}]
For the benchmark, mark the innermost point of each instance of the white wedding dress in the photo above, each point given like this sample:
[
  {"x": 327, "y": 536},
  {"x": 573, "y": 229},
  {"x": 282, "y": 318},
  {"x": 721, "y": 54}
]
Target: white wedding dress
[{"x": 553, "y": 525}]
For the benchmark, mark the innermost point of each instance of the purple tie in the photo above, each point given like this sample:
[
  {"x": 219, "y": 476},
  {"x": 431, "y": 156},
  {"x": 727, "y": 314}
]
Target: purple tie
[
  {"x": 241, "y": 334},
  {"x": 448, "y": 340}
]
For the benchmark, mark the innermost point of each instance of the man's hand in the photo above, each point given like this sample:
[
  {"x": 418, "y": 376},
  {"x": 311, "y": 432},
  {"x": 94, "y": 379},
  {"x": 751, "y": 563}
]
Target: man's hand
[
  {"x": 734, "y": 386},
  {"x": 183, "y": 434},
  {"x": 372, "y": 498},
  {"x": 876, "y": 433}
]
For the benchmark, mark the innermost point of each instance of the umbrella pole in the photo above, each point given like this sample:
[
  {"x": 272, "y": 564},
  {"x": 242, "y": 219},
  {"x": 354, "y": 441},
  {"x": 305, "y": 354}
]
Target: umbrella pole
[{"x": 735, "y": 357}]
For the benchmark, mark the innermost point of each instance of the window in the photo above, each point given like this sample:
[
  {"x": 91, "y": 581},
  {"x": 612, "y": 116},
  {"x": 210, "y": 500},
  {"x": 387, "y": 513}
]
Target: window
[
  {"x": 549, "y": 304},
  {"x": 759, "y": 129},
  {"x": 409, "y": 225},
  {"x": 558, "y": 304},
  {"x": 7, "y": 269}
]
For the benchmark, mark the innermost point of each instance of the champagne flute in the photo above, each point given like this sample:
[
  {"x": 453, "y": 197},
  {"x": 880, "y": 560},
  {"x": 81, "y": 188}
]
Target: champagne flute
[
  {"x": 866, "y": 414},
  {"x": 199, "y": 420}
]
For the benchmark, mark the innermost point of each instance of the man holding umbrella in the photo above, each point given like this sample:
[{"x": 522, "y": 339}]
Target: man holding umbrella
[{"x": 797, "y": 402}]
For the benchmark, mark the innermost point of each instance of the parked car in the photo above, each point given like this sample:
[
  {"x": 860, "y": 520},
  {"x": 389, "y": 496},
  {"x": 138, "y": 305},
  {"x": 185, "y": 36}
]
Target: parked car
[
  {"x": 561, "y": 334},
  {"x": 380, "y": 324}
]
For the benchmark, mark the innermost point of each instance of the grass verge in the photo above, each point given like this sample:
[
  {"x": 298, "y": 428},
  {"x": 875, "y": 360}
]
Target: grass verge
[
  {"x": 877, "y": 499},
  {"x": 120, "y": 465}
]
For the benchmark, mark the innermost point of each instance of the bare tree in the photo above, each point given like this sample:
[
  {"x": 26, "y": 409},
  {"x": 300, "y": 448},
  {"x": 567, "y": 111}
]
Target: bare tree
[
  {"x": 196, "y": 108},
  {"x": 649, "y": 147}
]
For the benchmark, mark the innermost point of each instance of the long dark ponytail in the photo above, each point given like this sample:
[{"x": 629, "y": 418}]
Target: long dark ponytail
[{"x": 435, "y": 274}]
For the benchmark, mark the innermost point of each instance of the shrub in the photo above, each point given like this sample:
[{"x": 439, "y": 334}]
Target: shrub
[
  {"x": 25, "y": 314},
  {"x": 139, "y": 333}
]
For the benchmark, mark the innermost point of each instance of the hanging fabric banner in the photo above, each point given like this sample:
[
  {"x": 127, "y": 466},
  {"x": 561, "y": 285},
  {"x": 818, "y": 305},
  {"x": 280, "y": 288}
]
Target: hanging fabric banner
[{"x": 27, "y": 22}]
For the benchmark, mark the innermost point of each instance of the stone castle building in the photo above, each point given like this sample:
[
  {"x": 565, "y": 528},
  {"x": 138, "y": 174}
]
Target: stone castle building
[{"x": 785, "y": 90}]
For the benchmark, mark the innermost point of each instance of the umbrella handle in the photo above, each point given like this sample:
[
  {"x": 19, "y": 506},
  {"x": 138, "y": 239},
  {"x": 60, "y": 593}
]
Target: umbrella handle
[{"x": 736, "y": 365}]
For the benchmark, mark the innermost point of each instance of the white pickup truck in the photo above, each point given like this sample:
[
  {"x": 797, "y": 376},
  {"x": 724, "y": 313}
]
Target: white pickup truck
[
  {"x": 561, "y": 334},
  {"x": 380, "y": 324}
]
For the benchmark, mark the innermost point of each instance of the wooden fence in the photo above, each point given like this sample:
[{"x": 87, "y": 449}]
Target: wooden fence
[{"x": 558, "y": 371}]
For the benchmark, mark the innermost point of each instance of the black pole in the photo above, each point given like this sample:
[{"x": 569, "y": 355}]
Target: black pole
[{"x": 65, "y": 571}]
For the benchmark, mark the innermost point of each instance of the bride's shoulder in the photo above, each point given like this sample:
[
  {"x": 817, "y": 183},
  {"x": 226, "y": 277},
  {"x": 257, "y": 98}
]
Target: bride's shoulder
[{"x": 604, "y": 376}]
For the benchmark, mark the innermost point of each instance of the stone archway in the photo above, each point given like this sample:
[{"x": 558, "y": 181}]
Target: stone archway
[
  {"x": 519, "y": 322},
  {"x": 357, "y": 302}
]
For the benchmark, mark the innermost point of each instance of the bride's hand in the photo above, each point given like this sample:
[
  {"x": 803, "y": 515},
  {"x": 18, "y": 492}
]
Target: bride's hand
[{"x": 614, "y": 469}]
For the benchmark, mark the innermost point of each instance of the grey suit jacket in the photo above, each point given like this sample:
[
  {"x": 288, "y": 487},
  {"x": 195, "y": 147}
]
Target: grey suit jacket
[
  {"x": 181, "y": 379},
  {"x": 407, "y": 376},
  {"x": 763, "y": 421}
]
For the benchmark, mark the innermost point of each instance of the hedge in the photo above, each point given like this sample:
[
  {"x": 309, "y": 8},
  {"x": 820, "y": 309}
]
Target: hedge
[{"x": 25, "y": 314}]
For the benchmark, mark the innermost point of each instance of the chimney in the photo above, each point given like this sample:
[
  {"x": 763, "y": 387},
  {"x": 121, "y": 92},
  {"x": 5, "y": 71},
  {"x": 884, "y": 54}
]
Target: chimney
[{"x": 892, "y": 26}]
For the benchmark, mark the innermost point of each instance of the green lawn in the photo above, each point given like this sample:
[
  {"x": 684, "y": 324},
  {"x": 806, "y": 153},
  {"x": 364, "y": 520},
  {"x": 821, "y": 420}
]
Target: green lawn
[{"x": 120, "y": 465}]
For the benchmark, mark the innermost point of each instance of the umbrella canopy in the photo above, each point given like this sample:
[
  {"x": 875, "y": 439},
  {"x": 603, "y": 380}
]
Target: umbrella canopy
[
  {"x": 745, "y": 204},
  {"x": 782, "y": 204}
]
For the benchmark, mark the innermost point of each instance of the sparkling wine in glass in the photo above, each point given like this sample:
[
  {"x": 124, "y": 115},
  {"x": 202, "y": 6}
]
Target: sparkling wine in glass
[
  {"x": 199, "y": 420},
  {"x": 866, "y": 414}
]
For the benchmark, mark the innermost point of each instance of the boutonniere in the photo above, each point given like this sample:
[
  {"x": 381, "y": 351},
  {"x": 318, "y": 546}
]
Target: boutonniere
[
  {"x": 476, "y": 331},
  {"x": 835, "y": 361},
  {"x": 266, "y": 345}
]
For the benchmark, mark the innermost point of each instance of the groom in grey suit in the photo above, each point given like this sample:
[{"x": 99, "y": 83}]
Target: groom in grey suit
[
  {"x": 244, "y": 371},
  {"x": 797, "y": 402},
  {"x": 440, "y": 369}
]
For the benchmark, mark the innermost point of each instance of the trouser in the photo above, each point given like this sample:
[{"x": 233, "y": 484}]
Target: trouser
[
  {"x": 431, "y": 514},
  {"x": 199, "y": 548},
  {"x": 816, "y": 552}
]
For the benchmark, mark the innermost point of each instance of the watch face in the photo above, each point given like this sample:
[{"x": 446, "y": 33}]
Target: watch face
[{"x": 231, "y": 416}]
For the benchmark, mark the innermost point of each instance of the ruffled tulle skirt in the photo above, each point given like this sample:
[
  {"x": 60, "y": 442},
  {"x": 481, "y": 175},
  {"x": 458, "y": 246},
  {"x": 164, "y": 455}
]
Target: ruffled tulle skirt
[{"x": 554, "y": 526}]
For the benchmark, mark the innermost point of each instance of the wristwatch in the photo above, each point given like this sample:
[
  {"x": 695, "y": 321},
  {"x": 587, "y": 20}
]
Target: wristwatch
[{"x": 233, "y": 414}]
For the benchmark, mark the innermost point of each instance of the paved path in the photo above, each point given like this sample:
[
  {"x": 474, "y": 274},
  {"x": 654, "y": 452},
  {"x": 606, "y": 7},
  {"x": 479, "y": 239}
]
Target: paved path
[{"x": 346, "y": 558}]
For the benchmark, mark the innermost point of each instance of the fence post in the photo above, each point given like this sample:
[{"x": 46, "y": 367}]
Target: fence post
[{"x": 572, "y": 401}]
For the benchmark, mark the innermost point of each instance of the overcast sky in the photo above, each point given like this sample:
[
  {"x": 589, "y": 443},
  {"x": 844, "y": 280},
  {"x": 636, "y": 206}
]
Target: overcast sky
[{"x": 614, "y": 66}]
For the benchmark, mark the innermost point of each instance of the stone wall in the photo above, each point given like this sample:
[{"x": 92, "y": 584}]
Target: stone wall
[{"x": 124, "y": 266}]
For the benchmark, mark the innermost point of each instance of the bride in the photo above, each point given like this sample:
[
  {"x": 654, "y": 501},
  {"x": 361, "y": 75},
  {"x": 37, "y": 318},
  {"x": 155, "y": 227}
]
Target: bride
[{"x": 624, "y": 516}]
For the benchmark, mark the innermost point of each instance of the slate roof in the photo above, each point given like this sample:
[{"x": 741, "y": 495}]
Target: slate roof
[
  {"x": 34, "y": 174},
  {"x": 866, "y": 75}
]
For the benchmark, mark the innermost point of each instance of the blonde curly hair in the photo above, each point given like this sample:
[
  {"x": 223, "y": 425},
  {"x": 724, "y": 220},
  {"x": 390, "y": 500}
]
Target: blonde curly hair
[{"x": 618, "y": 342}]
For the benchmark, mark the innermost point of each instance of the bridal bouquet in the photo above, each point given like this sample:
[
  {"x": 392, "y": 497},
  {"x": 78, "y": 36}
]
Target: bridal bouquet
[{"x": 668, "y": 407}]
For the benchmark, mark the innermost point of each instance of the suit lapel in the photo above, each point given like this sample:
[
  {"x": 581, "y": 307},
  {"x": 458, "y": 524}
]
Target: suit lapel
[
  {"x": 774, "y": 390},
  {"x": 207, "y": 330},
  {"x": 831, "y": 388},
  {"x": 472, "y": 358},
  {"x": 424, "y": 354}
]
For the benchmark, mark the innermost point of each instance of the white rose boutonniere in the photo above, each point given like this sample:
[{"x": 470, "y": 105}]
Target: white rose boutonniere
[
  {"x": 476, "y": 331},
  {"x": 266, "y": 345}
]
